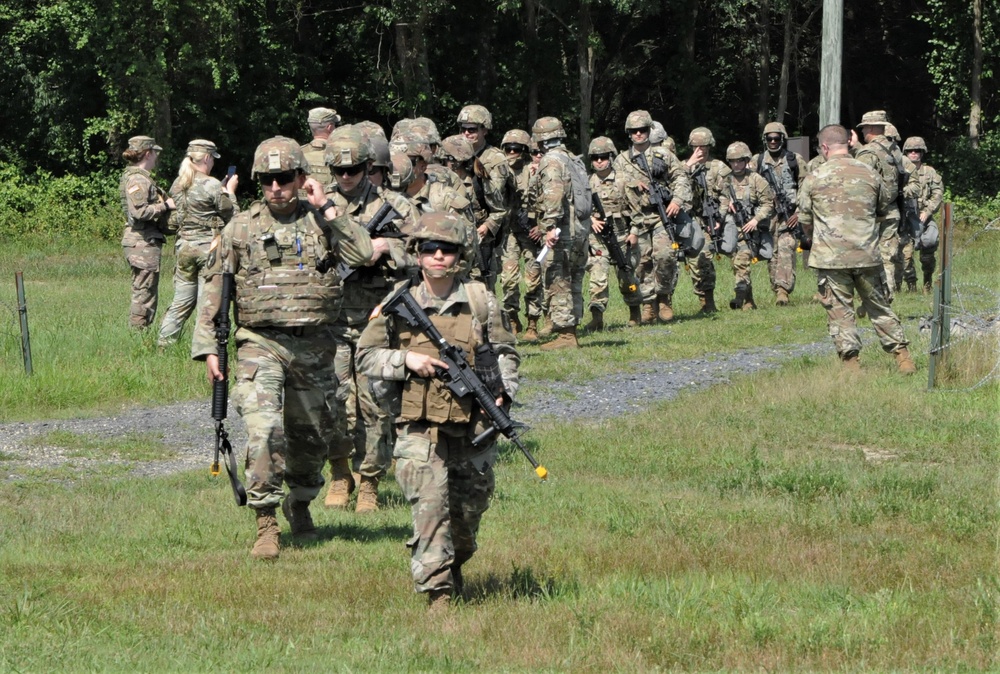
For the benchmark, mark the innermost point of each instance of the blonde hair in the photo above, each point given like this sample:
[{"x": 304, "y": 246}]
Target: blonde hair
[{"x": 187, "y": 172}]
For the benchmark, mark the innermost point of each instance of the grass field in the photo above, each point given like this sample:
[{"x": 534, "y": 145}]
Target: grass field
[{"x": 798, "y": 519}]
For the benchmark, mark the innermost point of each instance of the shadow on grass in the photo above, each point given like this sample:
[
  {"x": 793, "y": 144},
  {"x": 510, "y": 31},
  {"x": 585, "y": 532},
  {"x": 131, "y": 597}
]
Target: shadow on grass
[
  {"x": 351, "y": 532},
  {"x": 520, "y": 584}
]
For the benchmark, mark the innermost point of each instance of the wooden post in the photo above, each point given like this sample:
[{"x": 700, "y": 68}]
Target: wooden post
[
  {"x": 830, "y": 62},
  {"x": 22, "y": 312}
]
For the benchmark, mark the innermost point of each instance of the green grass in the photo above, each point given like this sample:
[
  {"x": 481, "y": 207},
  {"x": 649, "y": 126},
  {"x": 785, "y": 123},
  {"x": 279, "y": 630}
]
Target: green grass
[{"x": 129, "y": 447}]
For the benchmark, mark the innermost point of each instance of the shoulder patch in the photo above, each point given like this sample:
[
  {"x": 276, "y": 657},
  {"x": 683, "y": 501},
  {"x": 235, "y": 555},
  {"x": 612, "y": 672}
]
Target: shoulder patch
[
  {"x": 376, "y": 312},
  {"x": 134, "y": 189}
]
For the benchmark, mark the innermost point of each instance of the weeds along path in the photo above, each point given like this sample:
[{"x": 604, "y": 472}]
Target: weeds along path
[{"x": 177, "y": 437}]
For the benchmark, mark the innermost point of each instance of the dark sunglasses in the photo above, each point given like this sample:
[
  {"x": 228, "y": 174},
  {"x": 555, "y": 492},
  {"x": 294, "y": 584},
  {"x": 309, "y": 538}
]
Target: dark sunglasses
[
  {"x": 348, "y": 170},
  {"x": 470, "y": 129},
  {"x": 282, "y": 178},
  {"x": 536, "y": 153},
  {"x": 431, "y": 247},
  {"x": 514, "y": 148},
  {"x": 600, "y": 157},
  {"x": 774, "y": 138},
  {"x": 639, "y": 129}
]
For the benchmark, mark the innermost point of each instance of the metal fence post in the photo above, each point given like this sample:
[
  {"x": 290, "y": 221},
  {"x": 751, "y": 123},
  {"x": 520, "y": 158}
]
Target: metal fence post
[
  {"x": 22, "y": 311},
  {"x": 941, "y": 320}
]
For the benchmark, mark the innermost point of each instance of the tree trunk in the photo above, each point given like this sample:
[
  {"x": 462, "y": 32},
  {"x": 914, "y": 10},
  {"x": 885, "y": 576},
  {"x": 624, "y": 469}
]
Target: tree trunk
[
  {"x": 764, "y": 74},
  {"x": 786, "y": 56},
  {"x": 585, "y": 60},
  {"x": 975, "y": 114},
  {"x": 530, "y": 25},
  {"x": 411, "y": 49}
]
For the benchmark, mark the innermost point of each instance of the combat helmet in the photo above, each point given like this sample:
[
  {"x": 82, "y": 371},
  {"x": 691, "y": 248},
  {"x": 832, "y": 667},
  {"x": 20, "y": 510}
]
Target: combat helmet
[
  {"x": 379, "y": 150},
  {"x": 410, "y": 143},
  {"x": 657, "y": 134},
  {"x": 738, "y": 150},
  {"x": 400, "y": 171},
  {"x": 427, "y": 129},
  {"x": 447, "y": 228},
  {"x": 602, "y": 145},
  {"x": 701, "y": 136},
  {"x": 892, "y": 132},
  {"x": 516, "y": 136},
  {"x": 276, "y": 155},
  {"x": 774, "y": 127},
  {"x": 476, "y": 114},
  {"x": 914, "y": 143},
  {"x": 400, "y": 127},
  {"x": 547, "y": 128},
  {"x": 369, "y": 129},
  {"x": 458, "y": 147},
  {"x": 638, "y": 119},
  {"x": 346, "y": 147}
]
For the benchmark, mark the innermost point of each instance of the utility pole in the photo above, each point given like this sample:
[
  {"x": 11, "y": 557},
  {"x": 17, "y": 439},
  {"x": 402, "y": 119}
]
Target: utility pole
[{"x": 831, "y": 60}]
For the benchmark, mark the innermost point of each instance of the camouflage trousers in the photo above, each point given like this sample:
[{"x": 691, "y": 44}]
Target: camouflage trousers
[
  {"x": 448, "y": 484},
  {"x": 702, "y": 270},
  {"x": 144, "y": 259},
  {"x": 888, "y": 248},
  {"x": 563, "y": 272},
  {"x": 836, "y": 290},
  {"x": 520, "y": 247},
  {"x": 781, "y": 266},
  {"x": 365, "y": 429},
  {"x": 599, "y": 268},
  {"x": 742, "y": 260},
  {"x": 286, "y": 392},
  {"x": 907, "y": 272},
  {"x": 191, "y": 256},
  {"x": 657, "y": 269}
]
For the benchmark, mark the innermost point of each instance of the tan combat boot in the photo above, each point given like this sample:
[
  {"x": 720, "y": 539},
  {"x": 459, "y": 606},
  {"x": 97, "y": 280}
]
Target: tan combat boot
[
  {"x": 634, "y": 316},
  {"x": 851, "y": 362},
  {"x": 781, "y": 297},
  {"x": 666, "y": 313},
  {"x": 648, "y": 314},
  {"x": 904, "y": 362},
  {"x": 299, "y": 519},
  {"x": 708, "y": 302},
  {"x": 531, "y": 332},
  {"x": 266, "y": 546},
  {"x": 596, "y": 321},
  {"x": 341, "y": 484},
  {"x": 546, "y": 328},
  {"x": 565, "y": 339},
  {"x": 515, "y": 325},
  {"x": 367, "y": 495}
]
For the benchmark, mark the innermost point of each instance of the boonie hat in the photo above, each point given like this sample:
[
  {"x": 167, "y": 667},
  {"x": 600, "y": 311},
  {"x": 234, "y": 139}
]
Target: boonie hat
[
  {"x": 874, "y": 118},
  {"x": 323, "y": 116}
]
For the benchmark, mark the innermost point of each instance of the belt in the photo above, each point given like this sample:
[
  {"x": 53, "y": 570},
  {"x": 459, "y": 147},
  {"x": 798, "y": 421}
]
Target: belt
[{"x": 296, "y": 330}]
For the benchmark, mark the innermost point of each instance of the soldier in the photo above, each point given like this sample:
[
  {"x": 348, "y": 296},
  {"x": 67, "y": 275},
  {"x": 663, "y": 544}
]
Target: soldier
[
  {"x": 447, "y": 480},
  {"x": 288, "y": 293},
  {"x": 146, "y": 209},
  {"x": 657, "y": 271},
  {"x": 492, "y": 187},
  {"x": 322, "y": 122},
  {"x": 604, "y": 183},
  {"x": 205, "y": 205},
  {"x": 523, "y": 242},
  {"x": 708, "y": 182},
  {"x": 752, "y": 191},
  {"x": 928, "y": 201},
  {"x": 551, "y": 201},
  {"x": 784, "y": 170},
  {"x": 349, "y": 159},
  {"x": 839, "y": 204}
]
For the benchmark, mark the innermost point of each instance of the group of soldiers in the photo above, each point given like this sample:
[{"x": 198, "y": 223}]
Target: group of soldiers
[{"x": 355, "y": 215}]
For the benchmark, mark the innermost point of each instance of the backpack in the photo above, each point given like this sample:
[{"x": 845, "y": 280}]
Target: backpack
[{"x": 582, "y": 199}]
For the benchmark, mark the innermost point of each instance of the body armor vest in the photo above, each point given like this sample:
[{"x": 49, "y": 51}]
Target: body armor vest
[{"x": 315, "y": 154}]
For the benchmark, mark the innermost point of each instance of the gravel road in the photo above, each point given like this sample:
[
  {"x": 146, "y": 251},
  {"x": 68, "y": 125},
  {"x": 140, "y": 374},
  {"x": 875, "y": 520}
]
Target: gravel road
[{"x": 188, "y": 428}]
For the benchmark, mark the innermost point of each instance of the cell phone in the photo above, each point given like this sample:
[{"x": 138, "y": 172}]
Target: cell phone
[{"x": 229, "y": 174}]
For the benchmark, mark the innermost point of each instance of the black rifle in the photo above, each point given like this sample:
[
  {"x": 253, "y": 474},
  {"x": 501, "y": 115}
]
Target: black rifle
[
  {"x": 379, "y": 227},
  {"x": 459, "y": 376},
  {"x": 710, "y": 213},
  {"x": 785, "y": 209},
  {"x": 660, "y": 196},
  {"x": 220, "y": 394},
  {"x": 912, "y": 226},
  {"x": 610, "y": 240},
  {"x": 742, "y": 216}
]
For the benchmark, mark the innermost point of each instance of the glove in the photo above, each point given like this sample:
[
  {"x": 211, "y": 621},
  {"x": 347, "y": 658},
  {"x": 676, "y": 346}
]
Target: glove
[{"x": 659, "y": 167}]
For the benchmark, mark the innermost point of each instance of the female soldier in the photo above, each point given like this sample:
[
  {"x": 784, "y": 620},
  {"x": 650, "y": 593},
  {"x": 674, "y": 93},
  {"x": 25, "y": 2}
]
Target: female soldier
[
  {"x": 205, "y": 205},
  {"x": 146, "y": 207}
]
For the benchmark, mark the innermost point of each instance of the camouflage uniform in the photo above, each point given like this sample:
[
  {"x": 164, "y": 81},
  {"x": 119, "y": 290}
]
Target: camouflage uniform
[
  {"x": 839, "y": 202},
  {"x": 145, "y": 208},
  {"x": 315, "y": 150},
  {"x": 204, "y": 207},
  {"x": 709, "y": 177},
  {"x": 611, "y": 192},
  {"x": 758, "y": 198},
  {"x": 781, "y": 267},
  {"x": 929, "y": 193},
  {"x": 447, "y": 481},
  {"x": 285, "y": 307},
  {"x": 519, "y": 246},
  {"x": 657, "y": 270}
]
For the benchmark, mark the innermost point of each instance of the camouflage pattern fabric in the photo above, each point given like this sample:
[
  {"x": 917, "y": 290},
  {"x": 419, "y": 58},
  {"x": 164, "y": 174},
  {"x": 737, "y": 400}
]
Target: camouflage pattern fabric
[
  {"x": 520, "y": 247},
  {"x": 879, "y": 155},
  {"x": 930, "y": 194},
  {"x": 366, "y": 427},
  {"x": 447, "y": 481},
  {"x": 781, "y": 266},
  {"x": 145, "y": 208},
  {"x": 657, "y": 268},
  {"x": 757, "y": 196},
  {"x": 836, "y": 290},
  {"x": 190, "y": 259},
  {"x": 551, "y": 199},
  {"x": 610, "y": 191},
  {"x": 702, "y": 267},
  {"x": 315, "y": 153}
]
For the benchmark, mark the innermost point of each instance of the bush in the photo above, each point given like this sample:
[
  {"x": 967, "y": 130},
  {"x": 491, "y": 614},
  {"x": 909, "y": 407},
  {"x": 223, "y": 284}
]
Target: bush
[
  {"x": 69, "y": 205},
  {"x": 970, "y": 173}
]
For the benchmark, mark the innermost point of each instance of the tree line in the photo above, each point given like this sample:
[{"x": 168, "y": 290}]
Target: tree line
[{"x": 81, "y": 76}]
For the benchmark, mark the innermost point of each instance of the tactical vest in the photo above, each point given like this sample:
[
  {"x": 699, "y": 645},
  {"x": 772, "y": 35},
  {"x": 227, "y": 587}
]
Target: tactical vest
[
  {"x": 430, "y": 398},
  {"x": 887, "y": 168},
  {"x": 315, "y": 153},
  {"x": 279, "y": 286}
]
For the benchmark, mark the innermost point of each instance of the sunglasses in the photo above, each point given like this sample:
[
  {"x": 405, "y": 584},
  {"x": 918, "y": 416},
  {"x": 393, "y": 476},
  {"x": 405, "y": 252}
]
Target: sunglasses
[
  {"x": 600, "y": 157},
  {"x": 470, "y": 129},
  {"x": 775, "y": 138},
  {"x": 431, "y": 247},
  {"x": 514, "y": 148},
  {"x": 350, "y": 171},
  {"x": 282, "y": 178},
  {"x": 536, "y": 153},
  {"x": 638, "y": 129}
]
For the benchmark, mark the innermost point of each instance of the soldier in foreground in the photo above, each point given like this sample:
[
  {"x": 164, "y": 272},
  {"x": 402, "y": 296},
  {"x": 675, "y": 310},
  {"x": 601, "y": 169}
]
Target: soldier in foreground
[
  {"x": 447, "y": 480},
  {"x": 838, "y": 206},
  {"x": 284, "y": 256}
]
